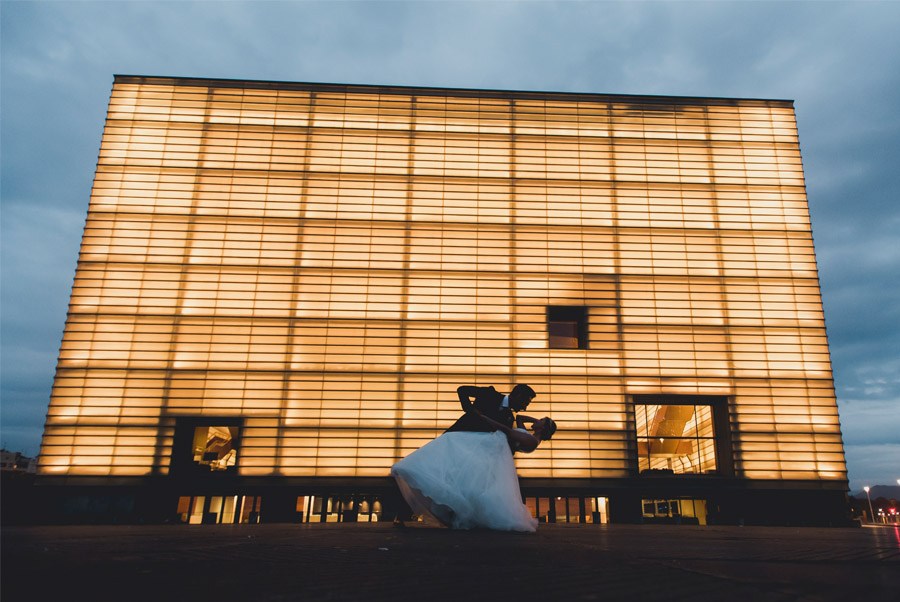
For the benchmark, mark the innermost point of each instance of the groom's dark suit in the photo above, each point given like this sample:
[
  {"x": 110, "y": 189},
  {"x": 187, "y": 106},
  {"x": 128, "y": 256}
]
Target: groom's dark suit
[{"x": 488, "y": 401}]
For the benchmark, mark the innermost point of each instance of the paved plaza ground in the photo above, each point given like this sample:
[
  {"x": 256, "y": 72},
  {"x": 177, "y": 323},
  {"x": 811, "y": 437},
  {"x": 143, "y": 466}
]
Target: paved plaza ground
[{"x": 376, "y": 561}]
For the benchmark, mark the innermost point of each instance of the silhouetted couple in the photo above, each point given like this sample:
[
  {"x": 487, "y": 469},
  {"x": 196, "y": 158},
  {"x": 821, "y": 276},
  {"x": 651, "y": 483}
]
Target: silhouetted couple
[{"x": 466, "y": 478}]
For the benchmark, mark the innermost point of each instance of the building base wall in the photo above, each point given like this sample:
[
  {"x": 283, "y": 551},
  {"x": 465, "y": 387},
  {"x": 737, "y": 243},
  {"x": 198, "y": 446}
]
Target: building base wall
[{"x": 635, "y": 501}]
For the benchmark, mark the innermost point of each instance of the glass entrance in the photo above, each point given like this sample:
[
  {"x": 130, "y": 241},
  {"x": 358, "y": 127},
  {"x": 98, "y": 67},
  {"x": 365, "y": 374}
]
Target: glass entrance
[
  {"x": 218, "y": 509},
  {"x": 687, "y": 511},
  {"x": 569, "y": 509}
]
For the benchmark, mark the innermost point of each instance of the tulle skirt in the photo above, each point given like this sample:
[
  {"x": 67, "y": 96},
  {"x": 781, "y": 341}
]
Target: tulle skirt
[{"x": 465, "y": 480}]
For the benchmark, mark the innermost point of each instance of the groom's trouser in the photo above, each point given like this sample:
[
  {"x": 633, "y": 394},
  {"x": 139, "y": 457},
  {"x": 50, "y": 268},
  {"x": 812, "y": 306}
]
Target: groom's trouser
[{"x": 394, "y": 507}]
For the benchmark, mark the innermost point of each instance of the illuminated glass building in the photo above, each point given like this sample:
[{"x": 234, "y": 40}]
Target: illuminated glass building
[{"x": 281, "y": 285}]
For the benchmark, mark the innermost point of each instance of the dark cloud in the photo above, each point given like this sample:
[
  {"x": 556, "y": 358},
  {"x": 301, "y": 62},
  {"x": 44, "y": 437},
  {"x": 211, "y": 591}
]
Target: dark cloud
[{"x": 837, "y": 60}]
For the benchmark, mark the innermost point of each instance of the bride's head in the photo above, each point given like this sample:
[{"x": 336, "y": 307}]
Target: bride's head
[{"x": 544, "y": 428}]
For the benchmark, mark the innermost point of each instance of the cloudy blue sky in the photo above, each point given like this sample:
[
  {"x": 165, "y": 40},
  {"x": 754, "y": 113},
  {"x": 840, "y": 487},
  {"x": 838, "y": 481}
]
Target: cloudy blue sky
[{"x": 839, "y": 61}]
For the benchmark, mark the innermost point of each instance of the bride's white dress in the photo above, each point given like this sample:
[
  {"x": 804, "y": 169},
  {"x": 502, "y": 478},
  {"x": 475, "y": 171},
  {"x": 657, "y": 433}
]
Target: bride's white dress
[{"x": 465, "y": 480}]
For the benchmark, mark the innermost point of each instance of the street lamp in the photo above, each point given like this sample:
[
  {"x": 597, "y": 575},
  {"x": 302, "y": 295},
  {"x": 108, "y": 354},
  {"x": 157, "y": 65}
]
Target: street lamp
[{"x": 871, "y": 512}]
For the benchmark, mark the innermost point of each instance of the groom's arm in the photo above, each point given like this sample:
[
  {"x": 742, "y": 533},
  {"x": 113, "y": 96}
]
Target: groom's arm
[
  {"x": 466, "y": 392},
  {"x": 522, "y": 420}
]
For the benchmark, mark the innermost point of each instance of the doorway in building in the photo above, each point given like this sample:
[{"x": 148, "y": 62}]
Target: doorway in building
[
  {"x": 219, "y": 509},
  {"x": 338, "y": 509},
  {"x": 680, "y": 511},
  {"x": 569, "y": 509}
]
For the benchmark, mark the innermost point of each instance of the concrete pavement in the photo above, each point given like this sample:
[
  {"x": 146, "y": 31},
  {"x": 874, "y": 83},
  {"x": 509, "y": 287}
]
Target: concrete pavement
[{"x": 376, "y": 561}]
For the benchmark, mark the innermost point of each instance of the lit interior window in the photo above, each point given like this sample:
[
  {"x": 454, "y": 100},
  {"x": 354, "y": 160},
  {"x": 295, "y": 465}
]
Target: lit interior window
[
  {"x": 567, "y": 327},
  {"x": 675, "y": 438},
  {"x": 214, "y": 446}
]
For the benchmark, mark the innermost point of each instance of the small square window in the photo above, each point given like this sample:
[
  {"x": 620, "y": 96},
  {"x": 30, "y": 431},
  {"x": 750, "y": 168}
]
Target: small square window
[
  {"x": 567, "y": 327},
  {"x": 215, "y": 446},
  {"x": 206, "y": 446}
]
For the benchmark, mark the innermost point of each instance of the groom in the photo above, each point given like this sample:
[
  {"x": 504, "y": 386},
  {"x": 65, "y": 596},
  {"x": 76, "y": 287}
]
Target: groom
[{"x": 492, "y": 404}]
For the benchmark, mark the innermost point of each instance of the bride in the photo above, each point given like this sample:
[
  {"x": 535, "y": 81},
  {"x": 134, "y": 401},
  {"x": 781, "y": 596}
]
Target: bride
[{"x": 468, "y": 480}]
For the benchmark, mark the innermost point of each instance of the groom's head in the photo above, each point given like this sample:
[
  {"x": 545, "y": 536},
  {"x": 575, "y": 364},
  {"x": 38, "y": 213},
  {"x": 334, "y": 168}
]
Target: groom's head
[{"x": 520, "y": 397}]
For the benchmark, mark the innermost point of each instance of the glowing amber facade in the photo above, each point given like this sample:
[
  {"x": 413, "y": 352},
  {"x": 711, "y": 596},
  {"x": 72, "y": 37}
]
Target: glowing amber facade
[{"x": 318, "y": 267}]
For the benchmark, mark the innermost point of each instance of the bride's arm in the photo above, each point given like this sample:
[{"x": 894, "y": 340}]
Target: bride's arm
[{"x": 526, "y": 442}]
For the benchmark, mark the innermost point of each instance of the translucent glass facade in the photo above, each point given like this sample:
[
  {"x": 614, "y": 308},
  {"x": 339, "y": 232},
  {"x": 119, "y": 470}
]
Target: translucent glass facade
[{"x": 328, "y": 263}]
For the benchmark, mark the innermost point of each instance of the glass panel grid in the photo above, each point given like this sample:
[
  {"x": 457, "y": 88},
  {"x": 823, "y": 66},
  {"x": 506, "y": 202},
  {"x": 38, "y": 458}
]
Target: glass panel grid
[{"x": 330, "y": 266}]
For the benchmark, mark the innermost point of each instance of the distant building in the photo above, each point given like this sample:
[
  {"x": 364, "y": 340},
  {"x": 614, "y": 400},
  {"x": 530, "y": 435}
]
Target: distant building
[
  {"x": 281, "y": 285},
  {"x": 17, "y": 476},
  {"x": 17, "y": 462}
]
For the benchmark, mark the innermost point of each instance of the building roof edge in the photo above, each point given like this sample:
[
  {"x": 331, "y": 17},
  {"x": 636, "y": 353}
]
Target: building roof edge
[{"x": 435, "y": 90}]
